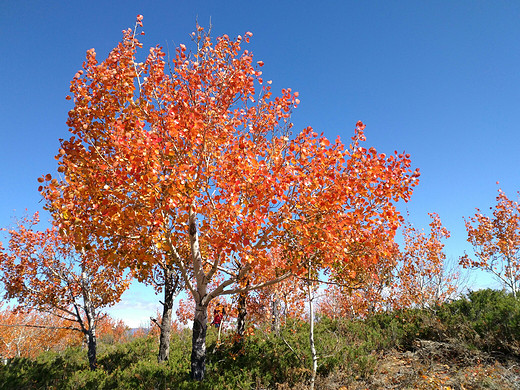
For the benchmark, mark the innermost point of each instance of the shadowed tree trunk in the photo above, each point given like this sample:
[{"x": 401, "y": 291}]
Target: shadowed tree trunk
[
  {"x": 170, "y": 287},
  {"x": 198, "y": 346},
  {"x": 90, "y": 312},
  {"x": 92, "y": 348}
]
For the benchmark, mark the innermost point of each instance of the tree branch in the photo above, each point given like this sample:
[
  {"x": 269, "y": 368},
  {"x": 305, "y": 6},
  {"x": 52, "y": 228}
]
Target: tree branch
[{"x": 42, "y": 327}]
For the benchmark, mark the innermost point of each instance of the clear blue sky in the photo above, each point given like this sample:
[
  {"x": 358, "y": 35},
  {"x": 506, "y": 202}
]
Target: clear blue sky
[{"x": 440, "y": 80}]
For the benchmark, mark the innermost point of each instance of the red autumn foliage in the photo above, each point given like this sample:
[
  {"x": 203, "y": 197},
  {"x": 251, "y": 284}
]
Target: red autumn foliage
[
  {"x": 45, "y": 271},
  {"x": 496, "y": 242},
  {"x": 198, "y": 169}
]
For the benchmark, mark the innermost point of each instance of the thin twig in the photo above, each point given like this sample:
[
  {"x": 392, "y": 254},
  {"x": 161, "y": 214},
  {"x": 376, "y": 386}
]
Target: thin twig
[{"x": 291, "y": 348}]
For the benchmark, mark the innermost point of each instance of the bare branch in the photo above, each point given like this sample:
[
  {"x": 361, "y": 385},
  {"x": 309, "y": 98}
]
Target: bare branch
[{"x": 42, "y": 327}]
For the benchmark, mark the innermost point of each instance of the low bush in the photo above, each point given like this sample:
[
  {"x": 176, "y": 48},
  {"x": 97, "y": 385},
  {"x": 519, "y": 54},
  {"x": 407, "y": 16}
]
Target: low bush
[
  {"x": 488, "y": 320},
  {"x": 349, "y": 349}
]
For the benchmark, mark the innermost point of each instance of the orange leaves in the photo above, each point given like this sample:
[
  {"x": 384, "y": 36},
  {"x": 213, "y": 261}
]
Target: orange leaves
[
  {"x": 139, "y": 21},
  {"x": 43, "y": 270},
  {"x": 112, "y": 331},
  {"x": 496, "y": 242},
  {"x": 27, "y": 334},
  {"x": 324, "y": 142},
  {"x": 423, "y": 279},
  {"x": 201, "y": 160},
  {"x": 415, "y": 276}
]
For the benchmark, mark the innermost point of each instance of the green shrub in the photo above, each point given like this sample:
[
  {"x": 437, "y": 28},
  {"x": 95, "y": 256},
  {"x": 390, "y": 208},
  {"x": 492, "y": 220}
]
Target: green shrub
[
  {"x": 122, "y": 356},
  {"x": 486, "y": 319},
  {"x": 47, "y": 371}
]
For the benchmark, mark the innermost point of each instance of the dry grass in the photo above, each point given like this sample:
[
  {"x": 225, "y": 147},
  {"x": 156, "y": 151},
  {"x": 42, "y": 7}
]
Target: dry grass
[{"x": 431, "y": 366}]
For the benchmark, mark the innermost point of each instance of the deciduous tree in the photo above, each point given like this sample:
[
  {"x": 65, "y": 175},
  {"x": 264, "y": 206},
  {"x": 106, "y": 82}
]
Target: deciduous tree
[
  {"x": 273, "y": 305},
  {"x": 422, "y": 279},
  {"x": 496, "y": 242},
  {"x": 111, "y": 331},
  {"x": 414, "y": 276},
  {"x": 198, "y": 166},
  {"x": 44, "y": 271},
  {"x": 27, "y": 334}
]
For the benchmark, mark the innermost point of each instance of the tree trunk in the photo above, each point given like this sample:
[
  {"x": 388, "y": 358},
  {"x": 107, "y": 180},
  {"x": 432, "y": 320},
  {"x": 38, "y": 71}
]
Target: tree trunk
[
  {"x": 512, "y": 279},
  {"x": 198, "y": 344},
  {"x": 275, "y": 318},
  {"x": 90, "y": 312},
  {"x": 200, "y": 322},
  {"x": 166, "y": 321},
  {"x": 314, "y": 355},
  {"x": 242, "y": 313},
  {"x": 92, "y": 348}
]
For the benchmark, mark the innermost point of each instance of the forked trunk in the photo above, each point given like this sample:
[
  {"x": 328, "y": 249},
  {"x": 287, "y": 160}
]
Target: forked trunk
[
  {"x": 198, "y": 346},
  {"x": 166, "y": 321}
]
